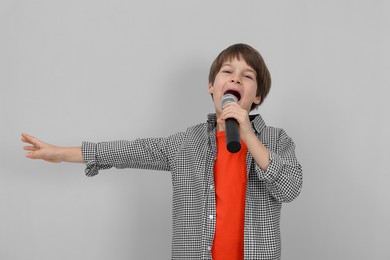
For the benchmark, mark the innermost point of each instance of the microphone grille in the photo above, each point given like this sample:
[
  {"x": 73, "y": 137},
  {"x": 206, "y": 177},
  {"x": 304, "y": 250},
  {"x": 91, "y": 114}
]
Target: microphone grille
[{"x": 228, "y": 98}]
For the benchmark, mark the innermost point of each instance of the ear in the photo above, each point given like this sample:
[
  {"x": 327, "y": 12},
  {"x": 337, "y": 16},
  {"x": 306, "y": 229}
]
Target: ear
[
  {"x": 211, "y": 88},
  {"x": 257, "y": 100}
]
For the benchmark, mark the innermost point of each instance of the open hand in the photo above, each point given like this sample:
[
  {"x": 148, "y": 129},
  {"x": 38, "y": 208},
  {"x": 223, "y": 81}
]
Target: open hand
[{"x": 40, "y": 150}]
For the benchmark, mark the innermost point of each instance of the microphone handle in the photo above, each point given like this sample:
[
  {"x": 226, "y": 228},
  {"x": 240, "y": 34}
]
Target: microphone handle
[{"x": 233, "y": 142}]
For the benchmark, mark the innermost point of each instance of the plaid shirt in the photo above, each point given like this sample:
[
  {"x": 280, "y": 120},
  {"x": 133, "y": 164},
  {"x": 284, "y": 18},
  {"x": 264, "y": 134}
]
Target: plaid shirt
[{"x": 190, "y": 156}]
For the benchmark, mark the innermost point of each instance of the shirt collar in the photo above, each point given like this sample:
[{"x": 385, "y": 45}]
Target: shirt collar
[{"x": 257, "y": 121}]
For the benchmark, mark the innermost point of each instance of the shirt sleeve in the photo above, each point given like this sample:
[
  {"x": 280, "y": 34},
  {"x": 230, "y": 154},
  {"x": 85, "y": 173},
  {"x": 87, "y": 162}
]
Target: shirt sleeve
[
  {"x": 89, "y": 155},
  {"x": 283, "y": 176},
  {"x": 147, "y": 153}
]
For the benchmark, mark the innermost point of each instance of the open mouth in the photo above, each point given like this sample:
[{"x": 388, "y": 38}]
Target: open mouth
[{"x": 234, "y": 93}]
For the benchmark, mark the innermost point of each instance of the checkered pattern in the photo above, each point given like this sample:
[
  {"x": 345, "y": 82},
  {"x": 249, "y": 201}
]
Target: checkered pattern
[{"x": 190, "y": 156}]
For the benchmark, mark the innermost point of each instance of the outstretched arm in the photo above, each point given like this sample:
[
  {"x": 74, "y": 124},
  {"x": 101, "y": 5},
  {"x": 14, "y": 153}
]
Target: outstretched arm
[{"x": 41, "y": 150}]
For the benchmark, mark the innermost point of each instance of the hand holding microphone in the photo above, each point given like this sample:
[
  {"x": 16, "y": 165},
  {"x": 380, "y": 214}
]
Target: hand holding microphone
[{"x": 232, "y": 130}]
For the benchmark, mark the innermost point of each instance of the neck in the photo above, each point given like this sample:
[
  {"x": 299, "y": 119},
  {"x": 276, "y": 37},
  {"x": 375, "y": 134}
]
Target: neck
[{"x": 220, "y": 125}]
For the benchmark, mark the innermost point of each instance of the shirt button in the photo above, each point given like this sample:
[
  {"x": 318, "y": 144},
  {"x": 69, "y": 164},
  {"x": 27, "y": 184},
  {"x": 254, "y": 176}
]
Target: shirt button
[
  {"x": 209, "y": 248},
  {"x": 211, "y": 216},
  {"x": 211, "y": 187}
]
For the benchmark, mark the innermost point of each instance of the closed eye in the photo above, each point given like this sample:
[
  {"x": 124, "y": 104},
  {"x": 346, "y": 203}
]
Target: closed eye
[{"x": 250, "y": 76}]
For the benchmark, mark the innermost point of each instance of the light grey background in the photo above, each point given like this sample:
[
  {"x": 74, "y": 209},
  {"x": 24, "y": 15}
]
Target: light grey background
[{"x": 105, "y": 70}]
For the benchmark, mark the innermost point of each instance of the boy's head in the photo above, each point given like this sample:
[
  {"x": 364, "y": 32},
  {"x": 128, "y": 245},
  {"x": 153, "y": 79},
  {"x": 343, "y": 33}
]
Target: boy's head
[{"x": 253, "y": 58}]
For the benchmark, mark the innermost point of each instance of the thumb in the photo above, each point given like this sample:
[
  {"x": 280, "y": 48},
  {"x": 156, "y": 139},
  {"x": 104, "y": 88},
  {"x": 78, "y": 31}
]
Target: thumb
[{"x": 34, "y": 155}]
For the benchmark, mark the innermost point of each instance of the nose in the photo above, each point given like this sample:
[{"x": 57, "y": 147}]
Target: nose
[{"x": 235, "y": 79}]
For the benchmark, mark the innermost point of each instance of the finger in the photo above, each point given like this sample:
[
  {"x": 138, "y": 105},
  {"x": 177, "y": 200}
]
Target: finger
[
  {"x": 238, "y": 115},
  {"x": 232, "y": 107},
  {"x": 230, "y": 112},
  {"x": 30, "y": 139},
  {"x": 30, "y": 148},
  {"x": 33, "y": 155},
  {"x": 25, "y": 136},
  {"x": 29, "y": 155}
]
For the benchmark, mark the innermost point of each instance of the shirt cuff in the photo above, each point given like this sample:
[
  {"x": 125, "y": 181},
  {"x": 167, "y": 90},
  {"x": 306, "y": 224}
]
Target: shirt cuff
[{"x": 89, "y": 151}]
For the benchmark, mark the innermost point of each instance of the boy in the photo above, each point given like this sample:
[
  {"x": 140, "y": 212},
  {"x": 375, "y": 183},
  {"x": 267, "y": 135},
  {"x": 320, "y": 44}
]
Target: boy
[{"x": 225, "y": 205}]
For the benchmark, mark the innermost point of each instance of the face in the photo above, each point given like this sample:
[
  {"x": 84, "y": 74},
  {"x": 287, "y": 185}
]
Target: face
[{"x": 238, "y": 78}]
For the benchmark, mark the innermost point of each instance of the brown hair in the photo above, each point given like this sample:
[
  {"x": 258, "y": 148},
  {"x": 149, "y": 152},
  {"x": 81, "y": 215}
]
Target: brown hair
[{"x": 253, "y": 58}]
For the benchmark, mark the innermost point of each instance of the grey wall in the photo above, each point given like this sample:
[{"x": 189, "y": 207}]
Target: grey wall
[{"x": 106, "y": 70}]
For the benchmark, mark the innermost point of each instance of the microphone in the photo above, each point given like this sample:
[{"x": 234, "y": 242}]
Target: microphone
[{"x": 233, "y": 143}]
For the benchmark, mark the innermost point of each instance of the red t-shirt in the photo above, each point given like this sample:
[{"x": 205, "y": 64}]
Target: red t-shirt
[{"x": 230, "y": 187}]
